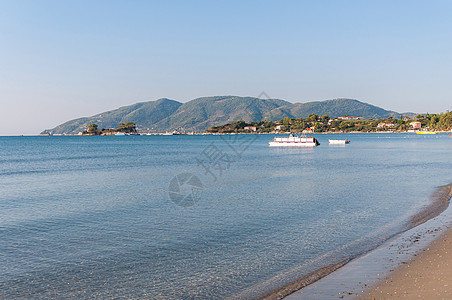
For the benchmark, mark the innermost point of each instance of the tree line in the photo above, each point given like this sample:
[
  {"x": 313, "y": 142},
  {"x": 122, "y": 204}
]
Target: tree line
[
  {"x": 93, "y": 129},
  {"x": 315, "y": 123}
]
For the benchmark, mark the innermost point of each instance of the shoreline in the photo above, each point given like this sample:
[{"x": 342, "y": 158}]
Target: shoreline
[
  {"x": 426, "y": 276},
  {"x": 355, "y": 272},
  {"x": 200, "y": 134},
  {"x": 244, "y": 133}
]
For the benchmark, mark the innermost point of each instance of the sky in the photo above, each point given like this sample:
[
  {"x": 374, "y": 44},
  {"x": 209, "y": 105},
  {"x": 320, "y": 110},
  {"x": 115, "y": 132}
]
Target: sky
[{"x": 65, "y": 59}]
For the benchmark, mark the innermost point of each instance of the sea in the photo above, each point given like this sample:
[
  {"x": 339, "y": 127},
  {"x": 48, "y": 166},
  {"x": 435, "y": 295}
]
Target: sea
[{"x": 201, "y": 217}]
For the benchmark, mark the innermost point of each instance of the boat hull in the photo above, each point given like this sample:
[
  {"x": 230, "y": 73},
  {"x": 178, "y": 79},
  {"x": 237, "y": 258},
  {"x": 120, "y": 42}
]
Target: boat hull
[
  {"x": 294, "y": 141},
  {"x": 338, "y": 142},
  {"x": 291, "y": 144}
]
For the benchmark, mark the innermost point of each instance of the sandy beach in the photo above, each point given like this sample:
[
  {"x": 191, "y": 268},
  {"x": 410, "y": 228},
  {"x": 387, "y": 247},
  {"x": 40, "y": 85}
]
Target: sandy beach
[
  {"x": 426, "y": 276},
  {"x": 415, "y": 264}
]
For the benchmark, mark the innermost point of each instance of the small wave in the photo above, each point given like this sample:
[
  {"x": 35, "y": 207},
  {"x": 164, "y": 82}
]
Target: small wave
[{"x": 439, "y": 201}]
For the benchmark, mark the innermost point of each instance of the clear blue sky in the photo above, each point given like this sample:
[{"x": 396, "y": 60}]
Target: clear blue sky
[{"x": 65, "y": 59}]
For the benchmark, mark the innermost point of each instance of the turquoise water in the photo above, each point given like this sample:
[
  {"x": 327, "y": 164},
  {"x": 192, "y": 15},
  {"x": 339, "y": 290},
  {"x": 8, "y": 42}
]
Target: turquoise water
[{"x": 200, "y": 216}]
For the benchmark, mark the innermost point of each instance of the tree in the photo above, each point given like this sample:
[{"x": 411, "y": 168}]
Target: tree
[
  {"x": 92, "y": 128},
  {"x": 445, "y": 121},
  {"x": 344, "y": 125},
  {"x": 335, "y": 124},
  {"x": 286, "y": 121},
  {"x": 239, "y": 124},
  {"x": 313, "y": 117},
  {"x": 318, "y": 127},
  {"x": 128, "y": 127}
]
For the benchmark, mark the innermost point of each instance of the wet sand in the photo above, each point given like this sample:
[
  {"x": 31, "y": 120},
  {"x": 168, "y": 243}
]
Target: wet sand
[
  {"x": 416, "y": 264},
  {"x": 427, "y": 276}
]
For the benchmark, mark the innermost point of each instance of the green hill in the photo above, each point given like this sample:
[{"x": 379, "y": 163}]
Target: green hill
[
  {"x": 332, "y": 108},
  {"x": 144, "y": 114},
  {"x": 202, "y": 113}
]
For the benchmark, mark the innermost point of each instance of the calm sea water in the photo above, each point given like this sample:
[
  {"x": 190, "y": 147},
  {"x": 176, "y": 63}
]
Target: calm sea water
[{"x": 200, "y": 216}]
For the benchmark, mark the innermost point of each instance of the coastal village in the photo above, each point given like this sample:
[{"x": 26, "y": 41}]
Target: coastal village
[
  {"x": 342, "y": 124},
  {"x": 312, "y": 124}
]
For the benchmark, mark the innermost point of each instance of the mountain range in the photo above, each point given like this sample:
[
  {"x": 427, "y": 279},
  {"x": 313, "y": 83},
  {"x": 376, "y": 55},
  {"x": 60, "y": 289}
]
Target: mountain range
[{"x": 202, "y": 113}]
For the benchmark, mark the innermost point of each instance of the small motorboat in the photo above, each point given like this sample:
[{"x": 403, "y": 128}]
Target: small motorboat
[{"x": 339, "y": 142}]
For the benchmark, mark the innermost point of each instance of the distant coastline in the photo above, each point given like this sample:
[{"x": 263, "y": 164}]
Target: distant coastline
[
  {"x": 200, "y": 114},
  {"x": 241, "y": 133},
  {"x": 422, "y": 124},
  {"x": 313, "y": 123}
]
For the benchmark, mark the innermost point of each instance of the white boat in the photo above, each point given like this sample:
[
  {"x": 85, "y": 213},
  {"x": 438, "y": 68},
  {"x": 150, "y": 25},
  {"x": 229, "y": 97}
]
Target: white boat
[
  {"x": 174, "y": 132},
  {"x": 339, "y": 142},
  {"x": 294, "y": 141}
]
